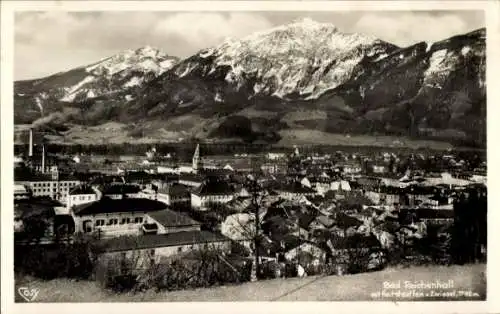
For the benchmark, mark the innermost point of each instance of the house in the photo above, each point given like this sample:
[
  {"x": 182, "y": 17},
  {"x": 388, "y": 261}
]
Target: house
[
  {"x": 211, "y": 192},
  {"x": 275, "y": 156},
  {"x": 152, "y": 248},
  {"x": 306, "y": 253},
  {"x": 350, "y": 168},
  {"x": 81, "y": 194},
  {"x": 191, "y": 180},
  {"x": 321, "y": 222},
  {"x": 171, "y": 169},
  {"x": 385, "y": 195},
  {"x": 21, "y": 192},
  {"x": 168, "y": 221},
  {"x": 434, "y": 217},
  {"x": 294, "y": 190},
  {"x": 114, "y": 217},
  {"x": 415, "y": 194},
  {"x": 273, "y": 167},
  {"x": 119, "y": 191},
  {"x": 54, "y": 185},
  {"x": 440, "y": 201},
  {"x": 174, "y": 194},
  {"x": 340, "y": 185},
  {"x": 378, "y": 168}
]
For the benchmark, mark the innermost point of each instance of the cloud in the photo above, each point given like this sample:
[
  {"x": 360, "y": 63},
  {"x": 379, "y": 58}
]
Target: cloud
[
  {"x": 208, "y": 29},
  {"x": 48, "y": 42},
  {"x": 54, "y": 41},
  {"x": 406, "y": 28}
]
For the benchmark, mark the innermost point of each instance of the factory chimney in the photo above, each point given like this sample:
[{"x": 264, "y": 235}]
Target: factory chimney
[
  {"x": 43, "y": 158},
  {"x": 30, "y": 152}
]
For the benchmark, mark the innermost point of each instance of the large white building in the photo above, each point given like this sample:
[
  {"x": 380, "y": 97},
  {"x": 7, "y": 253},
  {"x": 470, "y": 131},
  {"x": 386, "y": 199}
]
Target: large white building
[
  {"x": 211, "y": 192},
  {"x": 114, "y": 217},
  {"x": 53, "y": 185},
  {"x": 80, "y": 195}
]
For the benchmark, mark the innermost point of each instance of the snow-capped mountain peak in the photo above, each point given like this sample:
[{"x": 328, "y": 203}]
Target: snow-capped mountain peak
[
  {"x": 144, "y": 59},
  {"x": 292, "y": 58},
  {"x": 127, "y": 69}
]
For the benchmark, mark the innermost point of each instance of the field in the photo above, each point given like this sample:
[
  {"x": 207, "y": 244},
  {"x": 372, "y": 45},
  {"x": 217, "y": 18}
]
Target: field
[
  {"x": 312, "y": 137},
  {"x": 358, "y": 287}
]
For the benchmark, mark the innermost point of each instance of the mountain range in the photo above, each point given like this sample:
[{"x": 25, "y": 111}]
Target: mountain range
[{"x": 303, "y": 81}]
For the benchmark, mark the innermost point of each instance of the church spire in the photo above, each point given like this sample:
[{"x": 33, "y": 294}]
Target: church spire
[{"x": 196, "y": 158}]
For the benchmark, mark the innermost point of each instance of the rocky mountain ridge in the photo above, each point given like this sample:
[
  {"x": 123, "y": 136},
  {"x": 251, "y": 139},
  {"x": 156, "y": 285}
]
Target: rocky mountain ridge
[{"x": 285, "y": 83}]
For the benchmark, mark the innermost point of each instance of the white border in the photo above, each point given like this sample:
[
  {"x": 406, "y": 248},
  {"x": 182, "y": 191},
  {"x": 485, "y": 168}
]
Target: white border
[{"x": 491, "y": 8}]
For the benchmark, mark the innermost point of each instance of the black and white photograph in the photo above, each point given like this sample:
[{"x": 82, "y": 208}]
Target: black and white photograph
[{"x": 247, "y": 155}]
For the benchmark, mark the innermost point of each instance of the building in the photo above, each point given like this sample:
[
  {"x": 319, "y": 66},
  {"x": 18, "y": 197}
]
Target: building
[
  {"x": 169, "y": 221},
  {"x": 54, "y": 185},
  {"x": 350, "y": 168},
  {"x": 21, "y": 192},
  {"x": 114, "y": 217},
  {"x": 80, "y": 195},
  {"x": 379, "y": 168},
  {"x": 295, "y": 190},
  {"x": 153, "y": 248},
  {"x": 191, "y": 180},
  {"x": 274, "y": 167},
  {"x": 119, "y": 191},
  {"x": 211, "y": 192},
  {"x": 175, "y": 195},
  {"x": 431, "y": 216},
  {"x": 275, "y": 156},
  {"x": 306, "y": 253}
]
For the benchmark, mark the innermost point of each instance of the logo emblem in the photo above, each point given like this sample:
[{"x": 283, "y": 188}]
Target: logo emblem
[{"x": 28, "y": 294}]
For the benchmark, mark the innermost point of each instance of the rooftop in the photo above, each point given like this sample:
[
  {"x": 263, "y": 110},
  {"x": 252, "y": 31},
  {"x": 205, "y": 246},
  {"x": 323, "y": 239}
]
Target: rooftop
[
  {"x": 295, "y": 187},
  {"x": 161, "y": 240},
  {"x": 170, "y": 218},
  {"x": 214, "y": 188},
  {"x": 107, "y": 205},
  {"x": 174, "y": 189},
  {"x": 121, "y": 189},
  {"x": 82, "y": 189}
]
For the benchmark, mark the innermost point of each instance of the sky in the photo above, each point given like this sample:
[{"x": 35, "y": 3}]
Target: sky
[{"x": 53, "y": 41}]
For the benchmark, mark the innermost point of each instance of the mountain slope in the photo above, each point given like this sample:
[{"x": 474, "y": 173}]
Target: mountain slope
[
  {"x": 279, "y": 84},
  {"x": 125, "y": 71},
  {"x": 427, "y": 90}
]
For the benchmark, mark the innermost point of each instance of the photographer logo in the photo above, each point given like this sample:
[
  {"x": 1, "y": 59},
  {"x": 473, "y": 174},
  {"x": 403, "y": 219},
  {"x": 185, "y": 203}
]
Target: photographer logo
[{"x": 28, "y": 294}]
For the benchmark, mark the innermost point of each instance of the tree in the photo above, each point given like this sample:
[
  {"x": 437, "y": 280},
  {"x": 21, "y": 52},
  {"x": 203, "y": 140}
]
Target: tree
[{"x": 470, "y": 226}]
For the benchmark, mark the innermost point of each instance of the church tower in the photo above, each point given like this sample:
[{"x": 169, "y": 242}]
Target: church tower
[{"x": 196, "y": 158}]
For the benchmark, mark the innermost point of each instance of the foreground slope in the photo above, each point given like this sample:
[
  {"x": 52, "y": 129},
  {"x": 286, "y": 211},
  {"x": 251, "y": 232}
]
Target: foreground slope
[{"x": 332, "y": 288}]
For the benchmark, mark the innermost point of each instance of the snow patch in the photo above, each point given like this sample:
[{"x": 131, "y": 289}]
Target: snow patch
[
  {"x": 207, "y": 53},
  {"x": 380, "y": 57},
  {"x": 167, "y": 64},
  {"x": 128, "y": 97},
  {"x": 39, "y": 104},
  {"x": 134, "y": 81},
  {"x": 72, "y": 91},
  {"x": 90, "y": 94},
  {"x": 429, "y": 46},
  {"x": 465, "y": 50},
  {"x": 186, "y": 71},
  {"x": 436, "y": 61}
]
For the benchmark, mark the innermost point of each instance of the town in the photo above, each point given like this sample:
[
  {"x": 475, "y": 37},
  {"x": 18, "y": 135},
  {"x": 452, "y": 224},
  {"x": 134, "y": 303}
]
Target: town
[{"x": 276, "y": 213}]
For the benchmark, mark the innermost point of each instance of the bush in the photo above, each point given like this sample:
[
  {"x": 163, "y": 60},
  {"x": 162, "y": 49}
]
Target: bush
[
  {"x": 201, "y": 269},
  {"x": 75, "y": 260}
]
